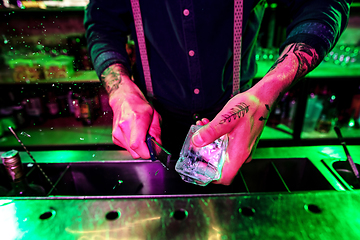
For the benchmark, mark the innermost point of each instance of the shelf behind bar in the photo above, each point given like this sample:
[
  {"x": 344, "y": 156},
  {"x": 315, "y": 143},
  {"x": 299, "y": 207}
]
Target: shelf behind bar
[
  {"x": 324, "y": 70},
  {"x": 78, "y": 77}
]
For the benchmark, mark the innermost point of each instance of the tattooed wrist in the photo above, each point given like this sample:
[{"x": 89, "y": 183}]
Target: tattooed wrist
[{"x": 113, "y": 76}]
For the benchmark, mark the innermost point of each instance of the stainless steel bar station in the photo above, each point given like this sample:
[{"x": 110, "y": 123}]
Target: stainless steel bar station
[{"x": 77, "y": 165}]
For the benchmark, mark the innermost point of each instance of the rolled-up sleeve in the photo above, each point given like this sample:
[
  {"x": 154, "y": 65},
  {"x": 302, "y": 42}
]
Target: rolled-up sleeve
[
  {"x": 107, "y": 25},
  {"x": 318, "y": 23}
]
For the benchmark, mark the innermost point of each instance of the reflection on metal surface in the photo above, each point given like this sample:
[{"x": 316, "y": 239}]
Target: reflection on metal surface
[
  {"x": 124, "y": 179},
  {"x": 325, "y": 215},
  {"x": 5, "y": 202},
  {"x": 330, "y": 152},
  {"x": 128, "y": 225},
  {"x": 302, "y": 196},
  {"x": 9, "y": 224}
]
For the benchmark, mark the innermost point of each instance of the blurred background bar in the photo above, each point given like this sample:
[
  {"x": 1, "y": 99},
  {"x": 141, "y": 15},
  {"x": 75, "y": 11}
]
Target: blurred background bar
[
  {"x": 46, "y": 78},
  {"x": 299, "y": 185}
]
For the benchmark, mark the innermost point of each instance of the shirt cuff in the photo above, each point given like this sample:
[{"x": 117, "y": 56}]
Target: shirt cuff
[
  {"x": 317, "y": 35},
  {"x": 106, "y": 59}
]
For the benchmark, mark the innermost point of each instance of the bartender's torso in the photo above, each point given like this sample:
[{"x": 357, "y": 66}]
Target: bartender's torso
[{"x": 190, "y": 49}]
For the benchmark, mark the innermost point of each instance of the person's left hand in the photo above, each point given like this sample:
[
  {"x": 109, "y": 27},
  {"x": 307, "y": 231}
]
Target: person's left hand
[{"x": 243, "y": 119}]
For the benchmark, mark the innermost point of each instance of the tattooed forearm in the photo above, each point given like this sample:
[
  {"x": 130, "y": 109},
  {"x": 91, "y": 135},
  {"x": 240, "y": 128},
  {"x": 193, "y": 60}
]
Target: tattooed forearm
[
  {"x": 306, "y": 55},
  {"x": 279, "y": 60},
  {"x": 236, "y": 112},
  {"x": 112, "y": 77}
]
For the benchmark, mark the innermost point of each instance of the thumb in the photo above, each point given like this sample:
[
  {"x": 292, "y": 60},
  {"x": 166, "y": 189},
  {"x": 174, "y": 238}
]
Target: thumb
[
  {"x": 206, "y": 135},
  {"x": 223, "y": 123}
]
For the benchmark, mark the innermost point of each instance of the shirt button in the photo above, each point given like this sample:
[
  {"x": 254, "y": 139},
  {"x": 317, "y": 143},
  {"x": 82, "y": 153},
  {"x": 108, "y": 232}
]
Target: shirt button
[
  {"x": 191, "y": 53},
  {"x": 186, "y": 12},
  {"x": 196, "y": 91}
]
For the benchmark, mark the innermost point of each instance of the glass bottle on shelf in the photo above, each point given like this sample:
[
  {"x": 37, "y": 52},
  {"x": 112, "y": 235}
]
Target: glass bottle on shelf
[
  {"x": 75, "y": 104},
  {"x": 328, "y": 114},
  {"x": 86, "y": 108},
  {"x": 84, "y": 54},
  {"x": 86, "y": 111},
  {"x": 85, "y": 58},
  {"x": 20, "y": 185},
  {"x": 74, "y": 49},
  {"x": 313, "y": 110},
  {"x": 70, "y": 104},
  {"x": 275, "y": 117},
  {"x": 19, "y": 114},
  {"x": 292, "y": 105},
  {"x": 52, "y": 105},
  {"x": 34, "y": 107},
  {"x": 63, "y": 102},
  {"x": 354, "y": 110}
]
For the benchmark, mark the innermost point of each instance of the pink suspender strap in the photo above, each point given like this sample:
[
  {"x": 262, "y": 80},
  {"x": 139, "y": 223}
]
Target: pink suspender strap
[
  {"x": 142, "y": 46},
  {"x": 238, "y": 19}
]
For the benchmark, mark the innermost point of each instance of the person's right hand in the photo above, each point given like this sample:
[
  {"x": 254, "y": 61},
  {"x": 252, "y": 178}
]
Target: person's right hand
[{"x": 133, "y": 118}]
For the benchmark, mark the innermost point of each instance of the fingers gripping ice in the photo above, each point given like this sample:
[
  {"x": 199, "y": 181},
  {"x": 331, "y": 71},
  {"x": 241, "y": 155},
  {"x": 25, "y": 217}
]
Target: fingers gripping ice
[{"x": 202, "y": 165}]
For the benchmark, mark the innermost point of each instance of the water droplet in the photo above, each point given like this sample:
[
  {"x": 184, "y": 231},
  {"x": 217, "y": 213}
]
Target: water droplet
[
  {"x": 25, "y": 134},
  {"x": 30, "y": 165},
  {"x": 82, "y": 139},
  {"x": 118, "y": 184},
  {"x": 93, "y": 155}
]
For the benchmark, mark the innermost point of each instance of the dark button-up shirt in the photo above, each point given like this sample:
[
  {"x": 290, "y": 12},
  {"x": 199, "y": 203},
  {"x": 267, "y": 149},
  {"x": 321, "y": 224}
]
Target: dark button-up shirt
[{"x": 190, "y": 43}]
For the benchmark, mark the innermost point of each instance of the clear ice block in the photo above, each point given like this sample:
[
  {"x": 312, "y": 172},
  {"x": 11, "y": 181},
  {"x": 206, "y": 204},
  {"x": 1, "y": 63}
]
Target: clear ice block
[{"x": 200, "y": 166}]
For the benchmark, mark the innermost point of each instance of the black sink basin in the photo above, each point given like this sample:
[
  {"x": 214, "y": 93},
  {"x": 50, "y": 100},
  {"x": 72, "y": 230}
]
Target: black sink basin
[
  {"x": 344, "y": 170},
  {"x": 146, "y": 178}
]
